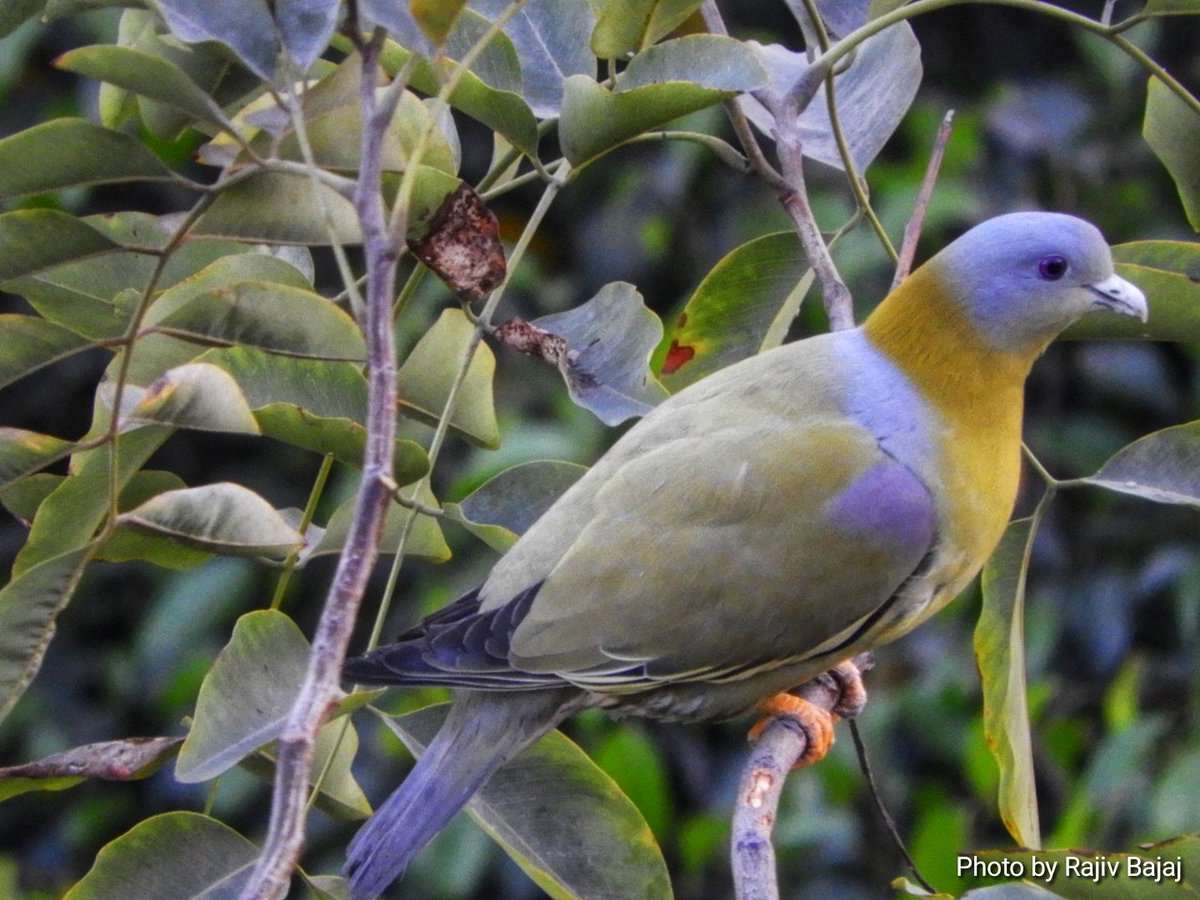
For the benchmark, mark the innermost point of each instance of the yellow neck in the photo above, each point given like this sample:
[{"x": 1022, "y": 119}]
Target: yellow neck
[{"x": 976, "y": 390}]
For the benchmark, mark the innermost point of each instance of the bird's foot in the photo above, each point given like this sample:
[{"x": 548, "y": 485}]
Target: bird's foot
[
  {"x": 843, "y": 687},
  {"x": 815, "y": 721}
]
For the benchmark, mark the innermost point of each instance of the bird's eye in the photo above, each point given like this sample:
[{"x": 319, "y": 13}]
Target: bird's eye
[{"x": 1052, "y": 268}]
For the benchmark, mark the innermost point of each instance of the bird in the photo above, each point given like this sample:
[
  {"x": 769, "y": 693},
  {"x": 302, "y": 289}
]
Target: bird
[{"x": 755, "y": 529}]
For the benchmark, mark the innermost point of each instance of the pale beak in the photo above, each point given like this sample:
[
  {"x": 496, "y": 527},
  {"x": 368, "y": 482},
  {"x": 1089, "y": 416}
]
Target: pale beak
[{"x": 1120, "y": 296}]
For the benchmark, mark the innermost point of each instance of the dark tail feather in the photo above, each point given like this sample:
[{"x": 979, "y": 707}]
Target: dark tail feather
[{"x": 482, "y": 732}]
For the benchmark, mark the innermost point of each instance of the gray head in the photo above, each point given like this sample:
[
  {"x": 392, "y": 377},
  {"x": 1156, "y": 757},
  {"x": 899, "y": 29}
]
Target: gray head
[{"x": 1027, "y": 276}]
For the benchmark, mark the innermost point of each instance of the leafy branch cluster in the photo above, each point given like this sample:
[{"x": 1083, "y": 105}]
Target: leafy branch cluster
[{"x": 333, "y": 125}]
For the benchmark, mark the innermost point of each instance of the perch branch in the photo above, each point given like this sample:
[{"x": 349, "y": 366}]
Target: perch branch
[{"x": 778, "y": 749}]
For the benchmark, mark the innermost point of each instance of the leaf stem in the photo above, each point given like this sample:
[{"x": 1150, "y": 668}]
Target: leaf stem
[{"x": 310, "y": 510}]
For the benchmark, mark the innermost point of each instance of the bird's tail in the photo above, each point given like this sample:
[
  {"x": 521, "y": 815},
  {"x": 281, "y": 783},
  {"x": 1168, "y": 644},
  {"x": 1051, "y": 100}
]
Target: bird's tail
[{"x": 482, "y": 731}]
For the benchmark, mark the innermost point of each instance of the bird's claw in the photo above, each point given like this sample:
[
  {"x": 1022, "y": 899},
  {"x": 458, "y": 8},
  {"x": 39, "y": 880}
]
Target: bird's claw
[{"x": 817, "y": 722}]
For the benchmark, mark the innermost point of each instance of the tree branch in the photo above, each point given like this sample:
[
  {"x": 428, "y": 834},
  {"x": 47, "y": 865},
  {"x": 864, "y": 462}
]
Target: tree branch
[{"x": 285, "y": 837}]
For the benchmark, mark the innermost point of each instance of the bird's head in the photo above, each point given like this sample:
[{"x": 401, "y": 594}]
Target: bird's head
[{"x": 1024, "y": 277}]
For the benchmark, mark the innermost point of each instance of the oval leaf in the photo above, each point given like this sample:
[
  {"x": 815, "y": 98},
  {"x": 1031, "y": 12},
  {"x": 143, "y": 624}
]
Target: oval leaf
[
  {"x": 742, "y": 307},
  {"x": 35, "y": 239},
  {"x": 551, "y": 39},
  {"x": 503, "y": 507},
  {"x": 29, "y": 604},
  {"x": 424, "y": 541},
  {"x": 590, "y": 813},
  {"x": 281, "y": 208},
  {"x": 67, "y": 152},
  {"x": 425, "y": 379},
  {"x": 1172, "y": 129},
  {"x": 221, "y": 518},
  {"x": 27, "y": 343},
  {"x": 1163, "y": 467},
  {"x": 144, "y": 74},
  {"x": 24, "y": 452},
  {"x": 246, "y": 28},
  {"x": 1000, "y": 653},
  {"x": 627, "y": 26},
  {"x": 872, "y": 95},
  {"x": 176, "y": 854},
  {"x": 305, "y": 27},
  {"x": 199, "y": 396},
  {"x": 705, "y": 70},
  {"x": 609, "y": 340},
  {"x": 272, "y": 317},
  {"x": 1169, "y": 273},
  {"x": 246, "y": 695}
]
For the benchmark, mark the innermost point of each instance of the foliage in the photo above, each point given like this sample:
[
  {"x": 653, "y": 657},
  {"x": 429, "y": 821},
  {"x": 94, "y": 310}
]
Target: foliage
[{"x": 245, "y": 317}]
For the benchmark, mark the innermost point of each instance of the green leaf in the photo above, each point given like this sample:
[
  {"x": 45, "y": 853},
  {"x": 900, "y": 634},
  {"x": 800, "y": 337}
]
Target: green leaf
[
  {"x": 246, "y": 695},
  {"x": 1169, "y": 273},
  {"x": 305, "y": 27},
  {"x": 130, "y": 759},
  {"x": 35, "y": 239},
  {"x": 589, "y": 811},
  {"x": 502, "y": 111},
  {"x": 873, "y": 95},
  {"x": 144, "y": 74},
  {"x": 340, "y": 795},
  {"x": 425, "y": 541},
  {"x": 744, "y": 306},
  {"x": 1000, "y": 653},
  {"x": 176, "y": 854},
  {"x": 327, "y": 130},
  {"x": 219, "y": 518},
  {"x": 1172, "y": 7},
  {"x": 425, "y": 379},
  {"x": 436, "y": 17},
  {"x": 707, "y": 69},
  {"x": 22, "y": 498},
  {"x": 1172, "y": 129},
  {"x": 503, "y": 507},
  {"x": 551, "y": 39},
  {"x": 281, "y": 208},
  {"x": 67, "y": 152},
  {"x": 1163, "y": 467},
  {"x": 196, "y": 395},
  {"x": 25, "y": 452},
  {"x": 14, "y": 12},
  {"x": 128, "y": 544},
  {"x": 68, "y": 518},
  {"x": 273, "y": 317},
  {"x": 246, "y": 28},
  {"x": 314, "y": 404},
  {"x": 627, "y": 26},
  {"x": 609, "y": 341},
  {"x": 29, "y": 604},
  {"x": 27, "y": 343}
]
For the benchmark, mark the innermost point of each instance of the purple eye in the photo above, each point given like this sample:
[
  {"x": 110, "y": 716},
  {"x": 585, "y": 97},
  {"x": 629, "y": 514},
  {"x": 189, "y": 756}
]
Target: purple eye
[{"x": 1052, "y": 268}]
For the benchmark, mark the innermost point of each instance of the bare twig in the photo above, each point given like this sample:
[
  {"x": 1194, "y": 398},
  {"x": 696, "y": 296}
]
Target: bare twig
[
  {"x": 285, "y": 837},
  {"x": 889, "y": 823},
  {"x": 912, "y": 231}
]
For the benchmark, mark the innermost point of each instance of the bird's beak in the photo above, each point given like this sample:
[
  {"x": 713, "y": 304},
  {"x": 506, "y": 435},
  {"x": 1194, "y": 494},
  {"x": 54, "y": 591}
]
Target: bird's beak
[{"x": 1120, "y": 296}]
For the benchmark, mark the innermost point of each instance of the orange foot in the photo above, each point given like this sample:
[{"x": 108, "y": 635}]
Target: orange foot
[{"x": 816, "y": 722}]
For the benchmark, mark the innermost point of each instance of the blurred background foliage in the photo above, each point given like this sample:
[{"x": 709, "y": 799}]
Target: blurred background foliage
[{"x": 1047, "y": 117}]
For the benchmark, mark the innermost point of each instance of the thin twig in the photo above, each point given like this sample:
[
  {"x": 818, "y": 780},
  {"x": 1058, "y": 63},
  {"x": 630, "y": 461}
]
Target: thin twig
[
  {"x": 912, "y": 231},
  {"x": 889, "y": 823},
  {"x": 319, "y": 692}
]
